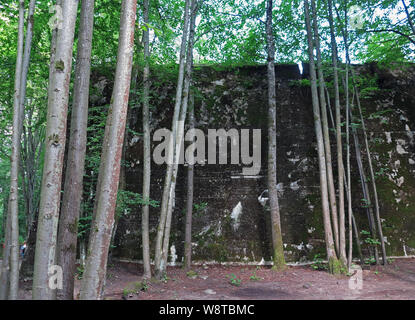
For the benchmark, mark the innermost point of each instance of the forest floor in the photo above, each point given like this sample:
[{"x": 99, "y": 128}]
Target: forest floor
[{"x": 394, "y": 281}]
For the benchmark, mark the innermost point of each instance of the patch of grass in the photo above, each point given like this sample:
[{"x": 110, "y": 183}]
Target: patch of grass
[
  {"x": 135, "y": 288},
  {"x": 191, "y": 274}
]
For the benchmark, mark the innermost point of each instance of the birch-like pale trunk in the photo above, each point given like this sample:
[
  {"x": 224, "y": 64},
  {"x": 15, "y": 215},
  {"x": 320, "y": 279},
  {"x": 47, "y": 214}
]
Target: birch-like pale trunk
[
  {"x": 147, "y": 147},
  {"x": 72, "y": 196},
  {"x": 369, "y": 157},
  {"x": 26, "y": 57},
  {"x": 189, "y": 200},
  {"x": 365, "y": 189},
  {"x": 171, "y": 149},
  {"x": 31, "y": 145},
  {"x": 180, "y": 134},
  {"x": 13, "y": 206},
  {"x": 326, "y": 135},
  {"x": 372, "y": 178},
  {"x": 348, "y": 111},
  {"x": 331, "y": 253},
  {"x": 355, "y": 228},
  {"x": 93, "y": 280},
  {"x": 348, "y": 169},
  {"x": 50, "y": 194},
  {"x": 277, "y": 243},
  {"x": 340, "y": 177}
]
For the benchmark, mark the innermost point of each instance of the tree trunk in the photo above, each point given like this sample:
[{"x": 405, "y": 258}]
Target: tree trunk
[
  {"x": 147, "y": 147},
  {"x": 72, "y": 196},
  {"x": 100, "y": 237},
  {"x": 345, "y": 185},
  {"x": 342, "y": 237},
  {"x": 28, "y": 188},
  {"x": 189, "y": 202},
  {"x": 180, "y": 134},
  {"x": 277, "y": 243},
  {"x": 159, "y": 269},
  {"x": 372, "y": 178},
  {"x": 326, "y": 135},
  {"x": 54, "y": 152},
  {"x": 348, "y": 111},
  {"x": 365, "y": 188},
  {"x": 13, "y": 207},
  {"x": 334, "y": 266}
]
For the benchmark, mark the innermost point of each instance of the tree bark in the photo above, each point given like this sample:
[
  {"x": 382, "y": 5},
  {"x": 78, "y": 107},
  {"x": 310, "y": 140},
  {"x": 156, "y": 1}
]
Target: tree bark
[
  {"x": 180, "y": 134},
  {"x": 277, "y": 243},
  {"x": 72, "y": 196},
  {"x": 365, "y": 188},
  {"x": 13, "y": 206},
  {"x": 326, "y": 135},
  {"x": 349, "y": 180},
  {"x": 189, "y": 202},
  {"x": 331, "y": 253},
  {"x": 355, "y": 228},
  {"x": 147, "y": 147},
  {"x": 100, "y": 237},
  {"x": 159, "y": 268},
  {"x": 342, "y": 241},
  {"x": 372, "y": 178},
  {"x": 54, "y": 152}
]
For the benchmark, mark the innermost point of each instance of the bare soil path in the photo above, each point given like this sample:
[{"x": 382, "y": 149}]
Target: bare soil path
[{"x": 395, "y": 281}]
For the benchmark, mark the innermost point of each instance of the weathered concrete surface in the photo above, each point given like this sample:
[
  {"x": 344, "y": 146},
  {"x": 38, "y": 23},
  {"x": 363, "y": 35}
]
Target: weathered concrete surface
[{"x": 232, "y": 225}]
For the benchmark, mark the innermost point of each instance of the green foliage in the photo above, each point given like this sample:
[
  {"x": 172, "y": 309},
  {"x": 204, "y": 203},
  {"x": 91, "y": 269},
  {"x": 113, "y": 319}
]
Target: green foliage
[
  {"x": 368, "y": 239},
  {"x": 135, "y": 288},
  {"x": 234, "y": 280},
  {"x": 80, "y": 272},
  {"x": 254, "y": 276},
  {"x": 318, "y": 263},
  {"x": 300, "y": 83},
  {"x": 191, "y": 274}
]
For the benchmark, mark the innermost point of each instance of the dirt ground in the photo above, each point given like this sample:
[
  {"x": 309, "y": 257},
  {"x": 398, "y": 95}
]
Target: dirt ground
[{"x": 214, "y": 282}]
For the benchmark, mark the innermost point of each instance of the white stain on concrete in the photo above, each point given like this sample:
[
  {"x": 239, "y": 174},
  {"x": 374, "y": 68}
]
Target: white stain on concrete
[{"x": 236, "y": 215}]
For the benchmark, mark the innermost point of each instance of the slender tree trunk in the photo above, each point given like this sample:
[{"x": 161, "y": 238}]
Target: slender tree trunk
[
  {"x": 72, "y": 196},
  {"x": 26, "y": 57},
  {"x": 365, "y": 188},
  {"x": 100, "y": 237},
  {"x": 147, "y": 147},
  {"x": 54, "y": 152},
  {"x": 180, "y": 134},
  {"x": 159, "y": 268},
  {"x": 372, "y": 178},
  {"x": 342, "y": 238},
  {"x": 277, "y": 243},
  {"x": 13, "y": 207},
  {"x": 334, "y": 266},
  {"x": 355, "y": 228},
  {"x": 189, "y": 202},
  {"x": 326, "y": 135},
  {"x": 348, "y": 111},
  {"x": 377, "y": 209}
]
